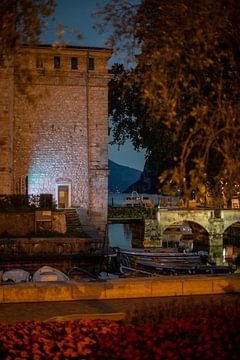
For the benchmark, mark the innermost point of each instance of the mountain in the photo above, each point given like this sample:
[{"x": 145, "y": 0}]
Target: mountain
[
  {"x": 149, "y": 179},
  {"x": 121, "y": 177}
]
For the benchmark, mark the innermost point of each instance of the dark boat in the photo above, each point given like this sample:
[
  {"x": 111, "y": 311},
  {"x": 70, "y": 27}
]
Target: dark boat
[
  {"x": 166, "y": 253},
  {"x": 170, "y": 262},
  {"x": 181, "y": 269}
]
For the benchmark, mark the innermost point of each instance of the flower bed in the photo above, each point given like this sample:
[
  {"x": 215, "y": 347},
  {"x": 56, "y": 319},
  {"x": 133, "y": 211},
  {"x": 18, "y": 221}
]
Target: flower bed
[{"x": 215, "y": 335}]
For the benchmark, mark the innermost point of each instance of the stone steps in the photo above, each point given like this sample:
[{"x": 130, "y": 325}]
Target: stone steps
[{"x": 73, "y": 222}]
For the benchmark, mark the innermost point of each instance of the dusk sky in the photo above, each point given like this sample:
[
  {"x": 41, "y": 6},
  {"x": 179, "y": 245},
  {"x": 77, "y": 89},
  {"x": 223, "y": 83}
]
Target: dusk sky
[{"x": 77, "y": 14}]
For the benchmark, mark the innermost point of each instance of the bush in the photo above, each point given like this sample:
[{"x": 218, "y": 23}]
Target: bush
[
  {"x": 46, "y": 201},
  {"x": 205, "y": 336}
]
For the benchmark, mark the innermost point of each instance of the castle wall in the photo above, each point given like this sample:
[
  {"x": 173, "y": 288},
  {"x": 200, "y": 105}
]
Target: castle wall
[
  {"x": 6, "y": 118},
  {"x": 60, "y": 128},
  {"x": 51, "y": 141}
]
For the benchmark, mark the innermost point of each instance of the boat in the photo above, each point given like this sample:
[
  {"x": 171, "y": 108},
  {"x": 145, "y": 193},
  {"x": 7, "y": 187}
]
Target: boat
[
  {"x": 48, "y": 273},
  {"x": 170, "y": 253},
  {"x": 104, "y": 275},
  {"x": 128, "y": 271},
  {"x": 16, "y": 276},
  {"x": 164, "y": 262},
  {"x": 77, "y": 273},
  {"x": 183, "y": 268}
]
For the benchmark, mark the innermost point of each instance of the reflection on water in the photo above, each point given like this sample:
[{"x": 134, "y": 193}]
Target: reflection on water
[
  {"x": 131, "y": 236},
  {"x": 126, "y": 235},
  {"x": 120, "y": 235}
]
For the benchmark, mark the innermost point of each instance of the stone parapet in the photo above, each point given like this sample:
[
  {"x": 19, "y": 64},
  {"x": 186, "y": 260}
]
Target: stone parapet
[
  {"x": 54, "y": 134},
  {"x": 119, "y": 289},
  {"x": 48, "y": 246},
  {"x": 24, "y": 224}
]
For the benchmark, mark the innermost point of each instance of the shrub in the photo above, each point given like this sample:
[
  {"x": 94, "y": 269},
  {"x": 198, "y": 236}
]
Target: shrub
[{"x": 205, "y": 336}]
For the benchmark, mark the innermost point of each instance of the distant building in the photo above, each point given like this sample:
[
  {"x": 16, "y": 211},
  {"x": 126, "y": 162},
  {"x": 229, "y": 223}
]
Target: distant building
[{"x": 54, "y": 135}]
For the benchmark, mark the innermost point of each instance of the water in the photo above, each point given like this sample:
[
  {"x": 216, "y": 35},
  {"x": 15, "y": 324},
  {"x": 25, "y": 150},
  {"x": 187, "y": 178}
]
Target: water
[
  {"x": 126, "y": 236},
  {"x": 131, "y": 235},
  {"x": 120, "y": 235}
]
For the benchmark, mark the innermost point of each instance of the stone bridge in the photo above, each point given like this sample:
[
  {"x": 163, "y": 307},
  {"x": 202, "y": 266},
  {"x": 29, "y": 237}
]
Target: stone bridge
[{"x": 214, "y": 221}]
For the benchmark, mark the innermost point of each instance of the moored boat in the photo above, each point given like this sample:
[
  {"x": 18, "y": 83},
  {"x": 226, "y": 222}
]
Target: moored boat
[
  {"x": 16, "y": 276},
  {"x": 181, "y": 269},
  {"x": 165, "y": 261},
  {"x": 48, "y": 273},
  {"x": 161, "y": 252}
]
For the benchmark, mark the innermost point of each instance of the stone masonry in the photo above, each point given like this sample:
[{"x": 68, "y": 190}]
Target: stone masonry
[{"x": 54, "y": 127}]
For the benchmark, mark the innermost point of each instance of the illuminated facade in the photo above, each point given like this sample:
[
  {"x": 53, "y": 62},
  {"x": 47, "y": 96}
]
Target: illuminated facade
[{"x": 54, "y": 127}]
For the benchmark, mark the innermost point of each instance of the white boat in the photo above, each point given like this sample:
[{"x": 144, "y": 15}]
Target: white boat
[
  {"x": 163, "y": 252},
  {"x": 48, "y": 273},
  {"x": 16, "y": 276}
]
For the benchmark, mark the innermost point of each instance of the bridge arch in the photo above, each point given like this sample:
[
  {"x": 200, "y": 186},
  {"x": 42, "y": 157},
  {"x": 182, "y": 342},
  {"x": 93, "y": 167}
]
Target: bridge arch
[
  {"x": 200, "y": 217},
  {"x": 213, "y": 221},
  {"x": 231, "y": 217},
  {"x": 165, "y": 227}
]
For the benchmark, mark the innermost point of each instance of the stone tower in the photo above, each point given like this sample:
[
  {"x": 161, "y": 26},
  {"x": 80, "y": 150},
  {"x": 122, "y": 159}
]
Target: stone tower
[{"x": 54, "y": 127}]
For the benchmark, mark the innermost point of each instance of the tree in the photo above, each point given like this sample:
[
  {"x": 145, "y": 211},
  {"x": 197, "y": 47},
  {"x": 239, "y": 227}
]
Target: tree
[
  {"x": 130, "y": 119},
  {"x": 22, "y": 22},
  {"x": 187, "y": 71}
]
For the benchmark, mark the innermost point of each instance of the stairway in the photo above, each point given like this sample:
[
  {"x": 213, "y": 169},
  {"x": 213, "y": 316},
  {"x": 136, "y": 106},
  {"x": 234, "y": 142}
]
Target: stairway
[{"x": 73, "y": 223}]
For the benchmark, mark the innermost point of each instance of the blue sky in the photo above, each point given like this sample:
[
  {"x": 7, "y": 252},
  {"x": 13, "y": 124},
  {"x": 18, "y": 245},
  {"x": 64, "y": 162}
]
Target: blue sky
[{"x": 77, "y": 14}]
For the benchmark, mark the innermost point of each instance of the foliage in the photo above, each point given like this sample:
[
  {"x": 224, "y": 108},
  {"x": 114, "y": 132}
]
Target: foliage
[
  {"x": 131, "y": 212},
  {"x": 22, "y": 22},
  {"x": 23, "y": 202},
  {"x": 131, "y": 118},
  {"x": 203, "y": 336},
  {"x": 187, "y": 75},
  {"x": 177, "y": 308}
]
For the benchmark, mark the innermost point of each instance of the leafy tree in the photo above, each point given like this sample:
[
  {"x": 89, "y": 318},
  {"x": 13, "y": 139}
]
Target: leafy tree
[
  {"x": 130, "y": 119},
  {"x": 187, "y": 75},
  {"x": 21, "y": 22}
]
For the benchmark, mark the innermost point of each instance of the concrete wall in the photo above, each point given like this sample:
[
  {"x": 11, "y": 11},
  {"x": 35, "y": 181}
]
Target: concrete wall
[
  {"x": 119, "y": 289},
  {"x": 23, "y": 224}
]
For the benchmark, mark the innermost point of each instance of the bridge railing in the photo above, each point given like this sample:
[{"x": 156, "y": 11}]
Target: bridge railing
[{"x": 139, "y": 212}]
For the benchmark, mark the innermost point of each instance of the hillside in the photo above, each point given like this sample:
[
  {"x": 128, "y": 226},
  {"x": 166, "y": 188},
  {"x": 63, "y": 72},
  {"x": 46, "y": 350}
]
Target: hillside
[{"x": 121, "y": 177}]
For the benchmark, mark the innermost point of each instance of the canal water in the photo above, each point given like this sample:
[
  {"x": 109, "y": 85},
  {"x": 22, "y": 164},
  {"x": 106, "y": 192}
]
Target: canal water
[{"x": 131, "y": 235}]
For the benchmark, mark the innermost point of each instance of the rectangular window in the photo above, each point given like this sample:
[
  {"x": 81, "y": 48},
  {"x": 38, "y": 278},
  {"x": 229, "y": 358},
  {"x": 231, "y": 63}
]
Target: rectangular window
[
  {"x": 1, "y": 60},
  {"x": 22, "y": 185},
  {"x": 39, "y": 62},
  {"x": 57, "y": 62},
  {"x": 90, "y": 64},
  {"x": 74, "y": 63}
]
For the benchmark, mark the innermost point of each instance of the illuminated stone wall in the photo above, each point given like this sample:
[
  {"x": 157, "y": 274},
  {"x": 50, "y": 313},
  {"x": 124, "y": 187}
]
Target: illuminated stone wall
[
  {"x": 60, "y": 128},
  {"x": 6, "y": 124}
]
